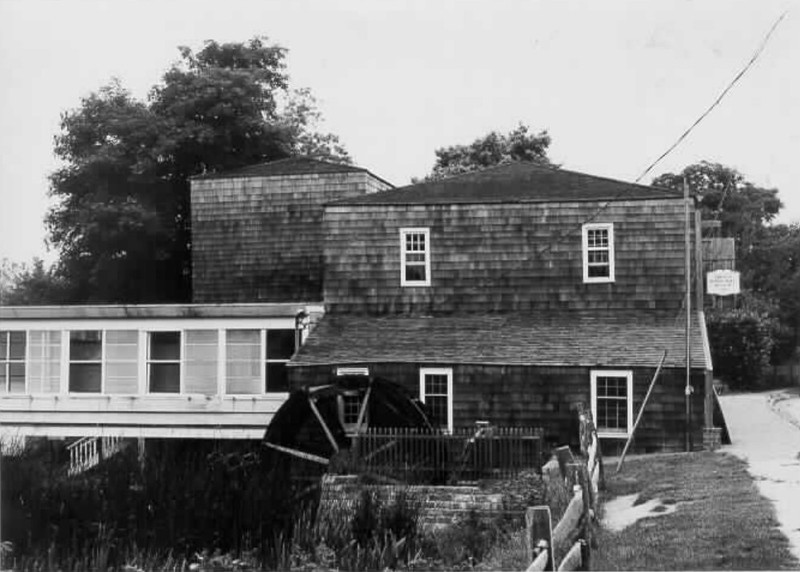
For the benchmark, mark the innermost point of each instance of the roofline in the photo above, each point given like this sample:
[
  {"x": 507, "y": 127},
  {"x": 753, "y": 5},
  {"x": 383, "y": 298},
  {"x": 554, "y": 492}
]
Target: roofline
[
  {"x": 354, "y": 201},
  {"x": 498, "y": 363},
  {"x": 157, "y": 311},
  {"x": 232, "y": 173}
]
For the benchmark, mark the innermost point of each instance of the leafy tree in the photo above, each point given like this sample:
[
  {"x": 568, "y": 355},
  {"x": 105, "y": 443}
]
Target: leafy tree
[
  {"x": 121, "y": 219},
  {"x": 35, "y": 285},
  {"x": 490, "y": 150},
  {"x": 725, "y": 195}
]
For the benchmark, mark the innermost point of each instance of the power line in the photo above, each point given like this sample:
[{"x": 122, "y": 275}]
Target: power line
[{"x": 719, "y": 98}]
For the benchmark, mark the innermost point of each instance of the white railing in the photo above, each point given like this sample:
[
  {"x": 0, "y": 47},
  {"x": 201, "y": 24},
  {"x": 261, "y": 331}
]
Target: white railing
[{"x": 87, "y": 452}]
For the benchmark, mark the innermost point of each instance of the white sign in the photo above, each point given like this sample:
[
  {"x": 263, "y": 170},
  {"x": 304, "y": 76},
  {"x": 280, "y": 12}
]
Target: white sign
[{"x": 723, "y": 282}]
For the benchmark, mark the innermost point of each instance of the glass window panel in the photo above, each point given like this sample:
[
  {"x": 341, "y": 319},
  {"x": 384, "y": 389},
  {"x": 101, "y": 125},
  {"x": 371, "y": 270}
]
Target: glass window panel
[
  {"x": 165, "y": 345},
  {"x": 244, "y": 386},
  {"x": 243, "y": 336},
  {"x": 246, "y": 369},
  {"x": 122, "y": 337},
  {"x": 437, "y": 407},
  {"x": 119, "y": 352},
  {"x": 165, "y": 378},
  {"x": 415, "y": 273},
  {"x": 85, "y": 378},
  {"x": 599, "y": 271},
  {"x": 239, "y": 352},
  {"x": 16, "y": 378},
  {"x": 280, "y": 344},
  {"x": 277, "y": 377},
  {"x": 16, "y": 346},
  {"x": 85, "y": 345},
  {"x": 4, "y": 344},
  {"x": 598, "y": 256}
]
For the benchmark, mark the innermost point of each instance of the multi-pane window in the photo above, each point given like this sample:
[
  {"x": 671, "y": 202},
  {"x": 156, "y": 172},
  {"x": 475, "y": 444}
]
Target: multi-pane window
[
  {"x": 612, "y": 402},
  {"x": 86, "y": 361},
  {"x": 200, "y": 361},
  {"x": 256, "y": 361},
  {"x": 279, "y": 350},
  {"x": 598, "y": 252},
  {"x": 415, "y": 257},
  {"x": 436, "y": 392},
  {"x": 164, "y": 362},
  {"x": 12, "y": 362},
  {"x": 350, "y": 409}
]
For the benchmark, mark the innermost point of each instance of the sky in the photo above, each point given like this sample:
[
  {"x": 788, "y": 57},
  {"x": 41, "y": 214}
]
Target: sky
[{"x": 614, "y": 83}]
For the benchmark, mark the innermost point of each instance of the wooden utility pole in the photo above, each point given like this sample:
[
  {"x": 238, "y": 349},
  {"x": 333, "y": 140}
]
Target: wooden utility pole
[{"x": 687, "y": 271}]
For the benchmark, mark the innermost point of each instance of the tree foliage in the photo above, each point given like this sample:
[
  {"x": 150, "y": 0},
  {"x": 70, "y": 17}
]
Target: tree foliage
[
  {"x": 725, "y": 195},
  {"x": 492, "y": 149},
  {"x": 121, "y": 218}
]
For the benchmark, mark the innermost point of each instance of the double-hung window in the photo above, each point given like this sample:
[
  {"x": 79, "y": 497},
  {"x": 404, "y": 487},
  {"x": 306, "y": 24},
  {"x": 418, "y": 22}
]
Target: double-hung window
[
  {"x": 12, "y": 362},
  {"x": 436, "y": 392},
  {"x": 164, "y": 362},
  {"x": 86, "y": 361},
  {"x": 279, "y": 350},
  {"x": 256, "y": 361},
  {"x": 415, "y": 257},
  {"x": 598, "y": 252},
  {"x": 612, "y": 402}
]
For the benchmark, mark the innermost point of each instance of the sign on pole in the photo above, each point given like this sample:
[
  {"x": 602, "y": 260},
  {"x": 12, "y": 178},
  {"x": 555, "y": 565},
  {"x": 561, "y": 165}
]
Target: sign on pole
[{"x": 723, "y": 282}]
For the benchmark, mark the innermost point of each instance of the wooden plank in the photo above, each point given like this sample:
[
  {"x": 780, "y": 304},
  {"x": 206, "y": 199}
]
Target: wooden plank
[
  {"x": 569, "y": 522},
  {"x": 572, "y": 561},
  {"x": 539, "y": 536},
  {"x": 296, "y": 453},
  {"x": 324, "y": 425},
  {"x": 564, "y": 457},
  {"x": 641, "y": 410}
]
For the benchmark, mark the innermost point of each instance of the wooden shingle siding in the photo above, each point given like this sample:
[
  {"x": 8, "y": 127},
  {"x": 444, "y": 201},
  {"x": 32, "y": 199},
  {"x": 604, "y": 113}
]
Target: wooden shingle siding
[
  {"x": 259, "y": 239},
  {"x": 513, "y": 257},
  {"x": 547, "y": 397}
]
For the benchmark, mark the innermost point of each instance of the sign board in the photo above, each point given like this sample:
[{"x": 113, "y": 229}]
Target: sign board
[{"x": 723, "y": 282}]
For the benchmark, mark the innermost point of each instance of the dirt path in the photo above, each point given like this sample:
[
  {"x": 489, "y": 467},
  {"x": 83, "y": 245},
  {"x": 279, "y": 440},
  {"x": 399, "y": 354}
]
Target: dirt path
[{"x": 765, "y": 434}]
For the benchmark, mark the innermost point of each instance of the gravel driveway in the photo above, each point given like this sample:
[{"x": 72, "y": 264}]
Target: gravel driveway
[{"x": 765, "y": 431}]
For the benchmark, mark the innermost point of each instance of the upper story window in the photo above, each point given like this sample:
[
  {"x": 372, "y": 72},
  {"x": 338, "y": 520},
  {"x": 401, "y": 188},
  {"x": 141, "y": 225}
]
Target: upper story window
[
  {"x": 436, "y": 392},
  {"x": 598, "y": 252},
  {"x": 12, "y": 362},
  {"x": 86, "y": 361},
  {"x": 612, "y": 402},
  {"x": 415, "y": 257},
  {"x": 164, "y": 362}
]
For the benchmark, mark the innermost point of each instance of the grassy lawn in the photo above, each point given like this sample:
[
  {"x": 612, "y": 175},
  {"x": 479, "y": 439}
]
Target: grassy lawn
[{"x": 721, "y": 522}]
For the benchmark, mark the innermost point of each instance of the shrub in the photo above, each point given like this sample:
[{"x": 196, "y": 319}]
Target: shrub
[{"x": 741, "y": 343}]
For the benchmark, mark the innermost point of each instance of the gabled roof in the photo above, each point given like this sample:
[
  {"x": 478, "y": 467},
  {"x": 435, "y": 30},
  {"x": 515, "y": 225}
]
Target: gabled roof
[
  {"x": 514, "y": 182},
  {"x": 291, "y": 166},
  {"x": 543, "y": 340},
  {"x": 156, "y": 311}
]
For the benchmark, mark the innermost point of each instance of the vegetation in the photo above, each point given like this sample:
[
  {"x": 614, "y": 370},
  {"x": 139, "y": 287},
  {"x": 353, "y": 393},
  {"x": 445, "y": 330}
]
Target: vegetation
[
  {"x": 490, "y": 150},
  {"x": 120, "y": 218},
  {"x": 768, "y": 257},
  {"x": 721, "y": 522}
]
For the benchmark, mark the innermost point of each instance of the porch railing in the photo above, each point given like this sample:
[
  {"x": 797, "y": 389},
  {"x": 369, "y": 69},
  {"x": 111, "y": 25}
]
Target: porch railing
[
  {"x": 466, "y": 455},
  {"x": 87, "y": 452}
]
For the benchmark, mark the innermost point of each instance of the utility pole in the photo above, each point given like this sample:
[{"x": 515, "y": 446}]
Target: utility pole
[{"x": 687, "y": 271}]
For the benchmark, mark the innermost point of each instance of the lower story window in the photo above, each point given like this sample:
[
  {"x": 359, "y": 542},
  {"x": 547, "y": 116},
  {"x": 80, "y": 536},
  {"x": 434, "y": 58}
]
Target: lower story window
[
  {"x": 612, "y": 402},
  {"x": 436, "y": 392}
]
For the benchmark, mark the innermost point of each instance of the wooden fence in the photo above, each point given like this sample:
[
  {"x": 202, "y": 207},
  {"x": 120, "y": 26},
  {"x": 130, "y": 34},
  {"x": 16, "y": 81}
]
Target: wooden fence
[
  {"x": 569, "y": 542},
  {"x": 468, "y": 454}
]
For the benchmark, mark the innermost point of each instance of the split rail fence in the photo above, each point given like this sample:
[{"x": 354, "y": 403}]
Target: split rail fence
[
  {"x": 467, "y": 454},
  {"x": 567, "y": 546}
]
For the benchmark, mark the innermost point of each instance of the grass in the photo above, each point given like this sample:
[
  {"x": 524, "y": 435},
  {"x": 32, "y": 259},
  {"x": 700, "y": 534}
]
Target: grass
[{"x": 722, "y": 522}]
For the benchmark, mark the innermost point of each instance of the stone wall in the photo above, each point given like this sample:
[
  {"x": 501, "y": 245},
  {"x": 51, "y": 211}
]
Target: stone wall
[{"x": 439, "y": 506}]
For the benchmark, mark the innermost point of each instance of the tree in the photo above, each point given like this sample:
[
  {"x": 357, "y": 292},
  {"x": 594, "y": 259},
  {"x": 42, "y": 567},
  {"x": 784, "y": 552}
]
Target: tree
[
  {"x": 121, "y": 218},
  {"x": 490, "y": 150},
  {"x": 725, "y": 195}
]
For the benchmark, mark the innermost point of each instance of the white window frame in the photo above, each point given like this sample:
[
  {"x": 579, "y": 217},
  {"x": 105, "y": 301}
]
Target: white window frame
[
  {"x": 426, "y": 233},
  {"x": 148, "y": 361},
  {"x": 448, "y": 371},
  {"x": 608, "y": 227},
  {"x": 6, "y": 362},
  {"x": 101, "y": 361},
  {"x": 628, "y": 375}
]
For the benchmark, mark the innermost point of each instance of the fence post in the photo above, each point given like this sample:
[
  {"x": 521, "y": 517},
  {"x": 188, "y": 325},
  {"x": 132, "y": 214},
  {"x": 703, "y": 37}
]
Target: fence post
[{"x": 539, "y": 534}]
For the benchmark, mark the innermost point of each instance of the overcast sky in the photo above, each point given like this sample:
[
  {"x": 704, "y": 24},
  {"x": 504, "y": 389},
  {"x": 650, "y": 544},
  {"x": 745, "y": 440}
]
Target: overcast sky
[{"x": 615, "y": 83}]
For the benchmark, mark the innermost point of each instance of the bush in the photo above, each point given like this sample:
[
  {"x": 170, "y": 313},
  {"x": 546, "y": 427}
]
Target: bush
[{"x": 741, "y": 343}]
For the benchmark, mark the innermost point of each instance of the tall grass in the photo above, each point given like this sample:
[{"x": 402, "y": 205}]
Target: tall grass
[{"x": 186, "y": 498}]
